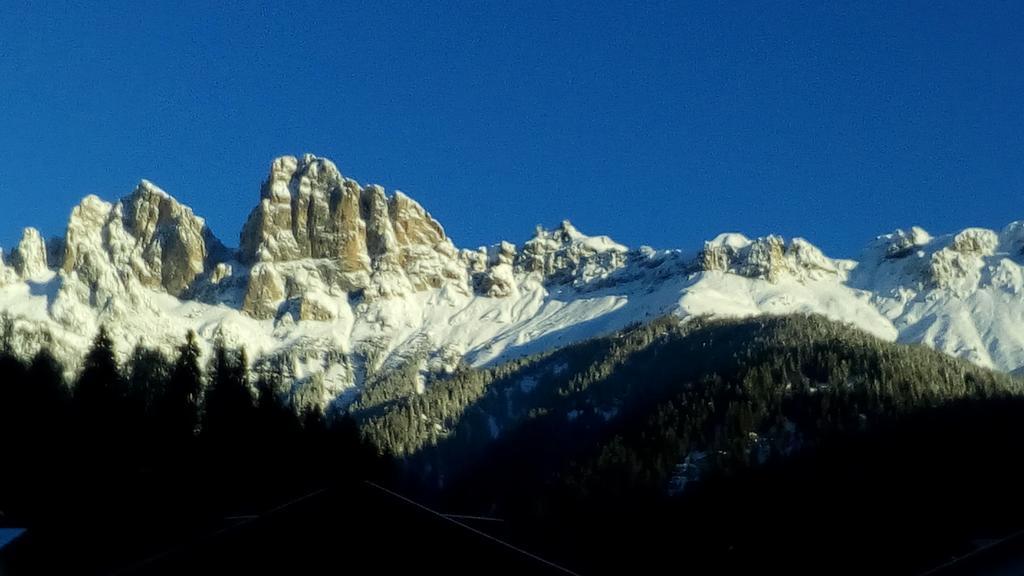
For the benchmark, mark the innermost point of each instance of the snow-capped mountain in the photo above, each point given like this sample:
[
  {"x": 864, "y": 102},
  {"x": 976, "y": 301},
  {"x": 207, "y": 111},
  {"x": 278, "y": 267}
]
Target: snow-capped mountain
[{"x": 333, "y": 280}]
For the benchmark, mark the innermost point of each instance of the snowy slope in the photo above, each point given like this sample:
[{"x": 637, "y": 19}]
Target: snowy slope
[{"x": 335, "y": 280}]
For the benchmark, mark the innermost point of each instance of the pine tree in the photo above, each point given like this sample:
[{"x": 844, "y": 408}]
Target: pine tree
[
  {"x": 228, "y": 410},
  {"x": 178, "y": 408},
  {"x": 49, "y": 397},
  {"x": 276, "y": 423},
  {"x": 99, "y": 397},
  {"x": 148, "y": 372},
  {"x": 13, "y": 392}
]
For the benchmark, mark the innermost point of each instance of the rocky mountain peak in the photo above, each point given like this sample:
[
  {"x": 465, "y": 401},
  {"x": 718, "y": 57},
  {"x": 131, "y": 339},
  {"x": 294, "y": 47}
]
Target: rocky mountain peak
[
  {"x": 957, "y": 262},
  {"x": 147, "y": 238},
  {"x": 769, "y": 258},
  {"x": 1012, "y": 238},
  {"x": 173, "y": 245},
  {"x": 352, "y": 238},
  {"x": 564, "y": 255},
  {"x": 413, "y": 225},
  {"x": 902, "y": 243},
  {"x": 308, "y": 209},
  {"x": 29, "y": 257},
  {"x": 7, "y": 274}
]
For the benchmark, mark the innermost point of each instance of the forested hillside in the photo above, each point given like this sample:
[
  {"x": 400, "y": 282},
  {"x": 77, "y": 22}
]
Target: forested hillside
[
  {"x": 581, "y": 443},
  {"x": 718, "y": 444},
  {"x": 754, "y": 388}
]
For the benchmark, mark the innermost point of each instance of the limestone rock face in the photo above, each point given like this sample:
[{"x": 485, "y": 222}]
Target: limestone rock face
[
  {"x": 718, "y": 254},
  {"x": 770, "y": 258},
  {"x": 29, "y": 258},
  {"x": 221, "y": 272},
  {"x": 348, "y": 243},
  {"x": 312, "y": 307},
  {"x": 147, "y": 236},
  {"x": 357, "y": 238},
  {"x": 765, "y": 258},
  {"x": 566, "y": 256},
  {"x": 264, "y": 292},
  {"x": 810, "y": 262},
  {"x": 958, "y": 265},
  {"x": 976, "y": 241},
  {"x": 306, "y": 210},
  {"x": 412, "y": 224},
  {"x": 173, "y": 243},
  {"x": 955, "y": 265},
  {"x": 112, "y": 252},
  {"x": 83, "y": 240},
  {"x": 504, "y": 253},
  {"x": 381, "y": 243},
  {"x": 267, "y": 234}
]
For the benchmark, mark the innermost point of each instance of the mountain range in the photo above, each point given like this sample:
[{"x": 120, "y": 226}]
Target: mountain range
[{"x": 334, "y": 281}]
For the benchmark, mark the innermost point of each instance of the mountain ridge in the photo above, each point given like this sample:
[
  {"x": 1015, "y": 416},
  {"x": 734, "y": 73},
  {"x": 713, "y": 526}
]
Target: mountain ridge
[{"x": 333, "y": 281}]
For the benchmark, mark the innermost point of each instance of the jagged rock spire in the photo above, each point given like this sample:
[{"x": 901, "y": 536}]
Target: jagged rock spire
[
  {"x": 308, "y": 209},
  {"x": 148, "y": 237},
  {"x": 365, "y": 239},
  {"x": 29, "y": 257}
]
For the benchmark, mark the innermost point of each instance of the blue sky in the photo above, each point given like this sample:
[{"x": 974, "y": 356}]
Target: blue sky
[{"x": 660, "y": 123}]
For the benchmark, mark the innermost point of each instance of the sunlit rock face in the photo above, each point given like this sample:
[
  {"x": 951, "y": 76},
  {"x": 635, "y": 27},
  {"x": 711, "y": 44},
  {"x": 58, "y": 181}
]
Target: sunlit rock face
[
  {"x": 147, "y": 238},
  {"x": 567, "y": 256},
  {"x": 360, "y": 238},
  {"x": 770, "y": 258},
  {"x": 173, "y": 244},
  {"x": 29, "y": 258}
]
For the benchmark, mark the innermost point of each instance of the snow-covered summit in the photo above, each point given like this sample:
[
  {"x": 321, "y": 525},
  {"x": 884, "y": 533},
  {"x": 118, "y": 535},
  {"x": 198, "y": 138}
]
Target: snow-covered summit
[
  {"x": 770, "y": 258},
  {"x": 334, "y": 280}
]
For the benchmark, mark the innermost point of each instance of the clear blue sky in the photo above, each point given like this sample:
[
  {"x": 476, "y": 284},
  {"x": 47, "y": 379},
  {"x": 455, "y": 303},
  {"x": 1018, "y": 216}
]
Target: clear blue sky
[{"x": 660, "y": 123}]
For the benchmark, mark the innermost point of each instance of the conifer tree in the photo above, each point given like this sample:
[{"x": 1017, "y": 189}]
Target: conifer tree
[
  {"x": 99, "y": 397},
  {"x": 178, "y": 409},
  {"x": 228, "y": 410},
  {"x": 148, "y": 372}
]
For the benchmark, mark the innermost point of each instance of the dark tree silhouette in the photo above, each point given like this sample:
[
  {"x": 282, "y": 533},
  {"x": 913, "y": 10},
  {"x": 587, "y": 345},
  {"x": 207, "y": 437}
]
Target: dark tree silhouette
[
  {"x": 148, "y": 372},
  {"x": 99, "y": 398},
  {"x": 228, "y": 410},
  {"x": 178, "y": 408}
]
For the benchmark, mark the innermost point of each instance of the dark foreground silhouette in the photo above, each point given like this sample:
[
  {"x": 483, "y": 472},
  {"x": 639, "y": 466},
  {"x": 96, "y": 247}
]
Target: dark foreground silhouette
[{"x": 159, "y": 468}]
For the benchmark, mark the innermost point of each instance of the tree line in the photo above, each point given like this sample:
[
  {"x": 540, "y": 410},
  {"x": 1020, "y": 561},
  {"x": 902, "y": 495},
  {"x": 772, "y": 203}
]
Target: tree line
[{"x": 162, "y": 442}]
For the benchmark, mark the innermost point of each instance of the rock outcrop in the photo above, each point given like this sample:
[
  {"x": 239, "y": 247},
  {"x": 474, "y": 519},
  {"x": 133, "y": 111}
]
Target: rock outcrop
[
  {"x": 264, "y": 293},
  {"x": 308, "y": 209},
  {"x": 770, "y": 258},
  {"x": 110, "y": 251},
  {"x": 566, "y": 256},
  {"x": 901, "y": 243},
  {"x": 1012, "y": 238},
  {"x": 29, "y": 257},
  {"x": 7, "y": 274},
  {"x": 958, "y": 265},
  {"x": 173, "y": 245},
  {"x": 359, "y": 239}
]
